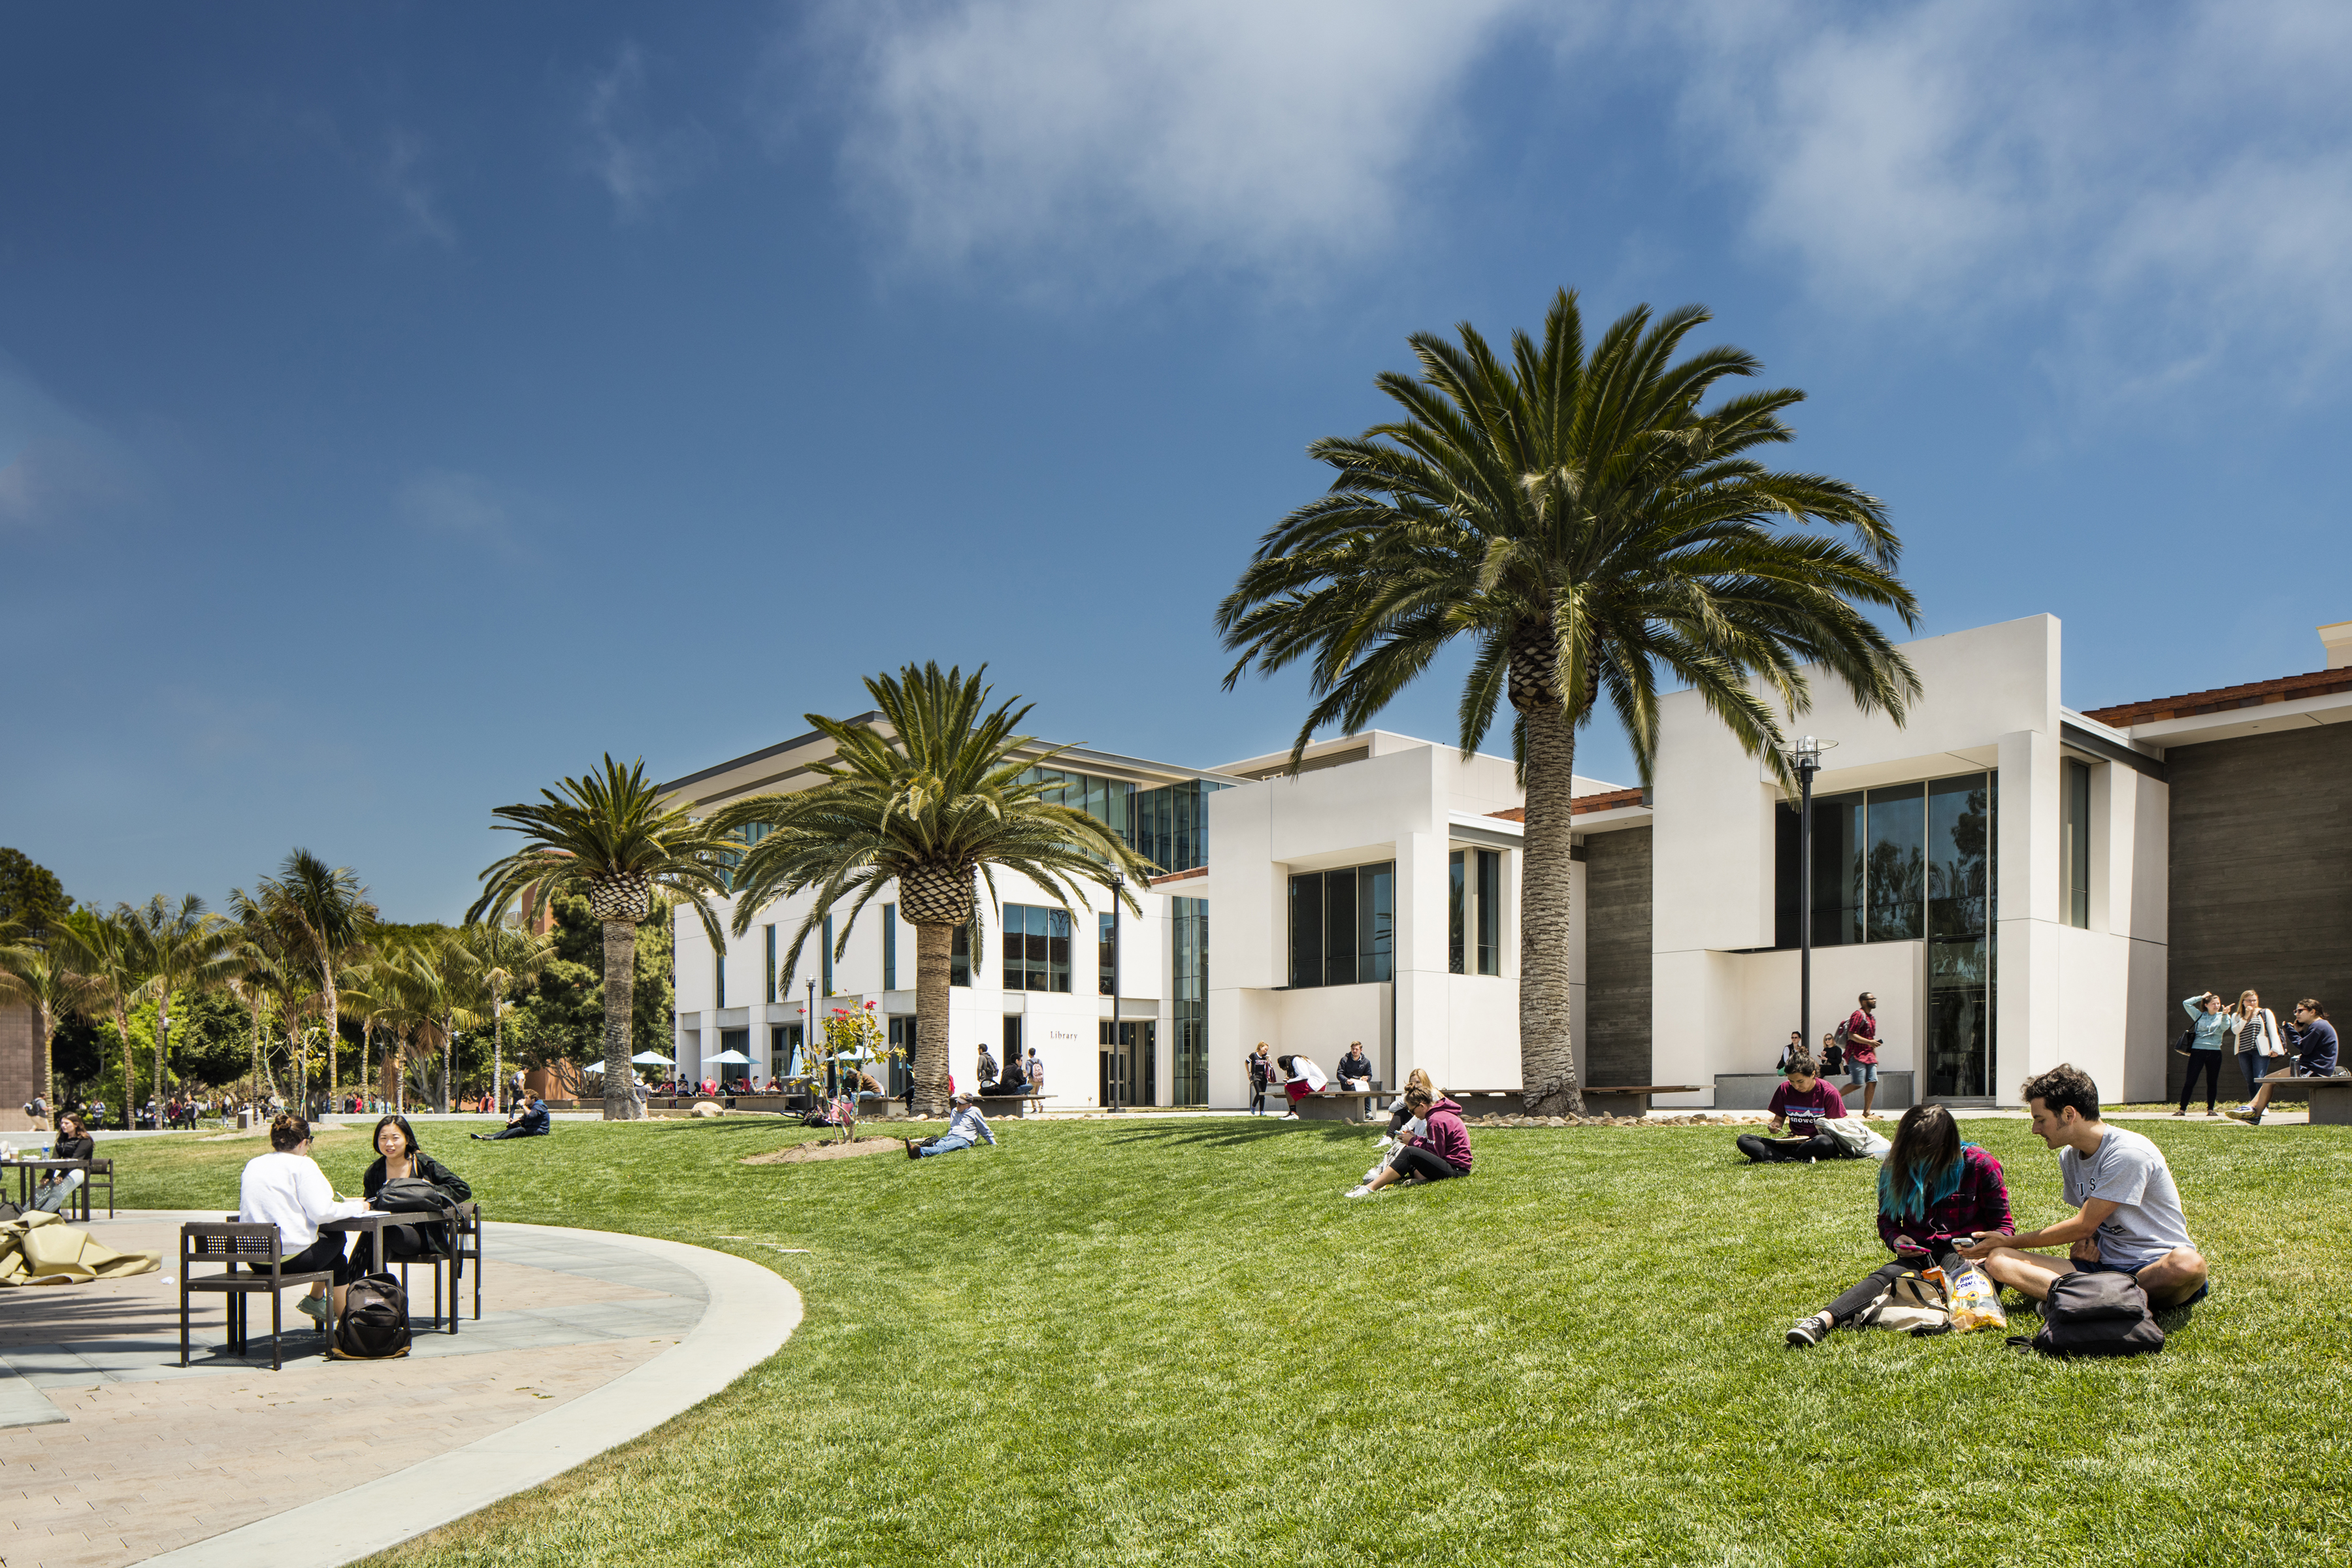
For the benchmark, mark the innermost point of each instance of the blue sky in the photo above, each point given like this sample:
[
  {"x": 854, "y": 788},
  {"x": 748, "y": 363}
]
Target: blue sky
[{"x": 401, "y": 405}]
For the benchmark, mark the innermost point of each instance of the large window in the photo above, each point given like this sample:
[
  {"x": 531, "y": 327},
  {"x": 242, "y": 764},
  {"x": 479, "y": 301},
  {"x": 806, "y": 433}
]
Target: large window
[
  {"x": 889, "y": 947},
  {"x": 1899, "y": 864},
  {"x": 719, "y": 980},
  {"x": 2074, "y": 841},
  {"x": 824, "y": 981},
  {"x": 1189, "y": 918},
  {"x": 902, "y": 1039},
  {"x": 1343, "y": 925},
  {"x": 1106, "y": 955},
  {"x": 960, "y": 951},
  {"x": 1171, "y": 823},
  {"x": 1036, "y": 948},
  {"x": 1474, "y": 911},
  {"x": 770, "y": 986}
]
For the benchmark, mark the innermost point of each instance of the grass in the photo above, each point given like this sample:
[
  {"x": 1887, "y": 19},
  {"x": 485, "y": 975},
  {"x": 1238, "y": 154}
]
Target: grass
[{"x": 1172, "y": 1341}]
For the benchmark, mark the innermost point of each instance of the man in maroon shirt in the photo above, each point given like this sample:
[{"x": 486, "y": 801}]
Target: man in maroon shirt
[
  {"x": 1861, "y": 1051},
  {"x": 1803, "y": 1102}
]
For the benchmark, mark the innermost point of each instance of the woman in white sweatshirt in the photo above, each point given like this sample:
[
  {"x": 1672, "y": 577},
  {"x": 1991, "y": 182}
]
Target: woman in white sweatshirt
[{"x": 286, "y": 1188}]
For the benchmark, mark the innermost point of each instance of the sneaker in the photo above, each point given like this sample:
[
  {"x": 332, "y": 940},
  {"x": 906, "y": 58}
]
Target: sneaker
[
  {"x": 314, "y": 1307},
  {"x": 1370, "y": 1173},
  {"x": 1290, "y": 1116},
  {"x": 2182, "y": 1111},
  {"x": 1359, "y": 1191},
  {"x": 2251, "y": 1118},
  {"x": 1809, "y": 1331},
  {"x": 909, "y": 1142}
]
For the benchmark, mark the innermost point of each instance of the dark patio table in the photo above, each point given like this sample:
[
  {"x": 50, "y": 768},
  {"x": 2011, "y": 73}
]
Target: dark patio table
[{"x": 25, "y": 1169}]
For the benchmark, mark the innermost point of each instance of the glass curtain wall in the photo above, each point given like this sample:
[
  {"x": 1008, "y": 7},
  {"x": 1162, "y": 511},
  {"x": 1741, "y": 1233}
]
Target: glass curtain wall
[
  {"x": 1474, "y": 911},
  {"x": 1189, "y": 918},
  {"x": 1343, "y": 925},
  {"x": 1899, "y": 864},
  {"x": 1171, "y": 823}
]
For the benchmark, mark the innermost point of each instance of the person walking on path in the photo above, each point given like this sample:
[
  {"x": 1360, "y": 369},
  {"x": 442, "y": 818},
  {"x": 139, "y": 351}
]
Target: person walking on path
[
  {"x": 1440, "y": 1152},
  {"x": 1261, "y": 1078},
  {"x": 2209, "y": 1031},
  {"x": 1932, "y": 1188},
  {"x": 1861, "y": 1045},
  {"x": 1036, "y": 1070},
  {"x": 2129, "y": 1219},
  {"x": 2260, "y": 1048},
  {"x": 2315, "y": 1049}
]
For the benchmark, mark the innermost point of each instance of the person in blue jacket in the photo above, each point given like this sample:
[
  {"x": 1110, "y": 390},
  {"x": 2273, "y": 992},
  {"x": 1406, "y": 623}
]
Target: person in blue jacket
[
  {"x": 2313, "y": 1039},
  {"x": 2210, "y": 1022},
  {"x": 530, "y": 1120}
]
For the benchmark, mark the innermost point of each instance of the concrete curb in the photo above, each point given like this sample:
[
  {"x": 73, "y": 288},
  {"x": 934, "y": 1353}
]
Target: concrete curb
[{"x": 751, "y": 1312}]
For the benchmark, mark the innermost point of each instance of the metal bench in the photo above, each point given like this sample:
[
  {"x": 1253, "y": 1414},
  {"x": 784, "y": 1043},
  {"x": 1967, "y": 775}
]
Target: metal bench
[
  {"x": 233, "y": 1243},
  {"x": 1020, "y": 1104}
]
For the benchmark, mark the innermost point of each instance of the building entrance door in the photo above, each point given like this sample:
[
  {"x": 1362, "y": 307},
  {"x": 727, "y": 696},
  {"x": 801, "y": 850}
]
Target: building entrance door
[{"x": 1129, "y": 1069}]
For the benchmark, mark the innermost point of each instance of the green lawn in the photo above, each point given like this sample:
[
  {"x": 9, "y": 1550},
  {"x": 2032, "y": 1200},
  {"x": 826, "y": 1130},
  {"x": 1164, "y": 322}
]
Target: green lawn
[{"x": 1172, "y": 1341}]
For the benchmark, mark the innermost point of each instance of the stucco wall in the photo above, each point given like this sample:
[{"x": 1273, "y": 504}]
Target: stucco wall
[{"x": 1616, "y": 945}]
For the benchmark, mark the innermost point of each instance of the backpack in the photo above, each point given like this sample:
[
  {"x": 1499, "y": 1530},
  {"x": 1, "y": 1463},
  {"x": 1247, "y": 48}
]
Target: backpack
[
  {"x": 1915, "y": 1304},
  {"x": 375, "y": 1321},
  {"x": 2095, "y": 1315},
  {"x": 414, "y": 1195},
  {"x": 1860, "y": 1138}
]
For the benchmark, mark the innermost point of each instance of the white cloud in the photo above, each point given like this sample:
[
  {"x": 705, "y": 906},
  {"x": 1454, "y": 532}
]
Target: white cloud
[
  {"x": 402, "y": 175},
  {"x": 2166, "y": 180},
  {"x": 1115, "y": 145},
  {"x": 460, "y": 506},
  {"x": 55, "y": 465},
  {"x": 636, "y": 164}
]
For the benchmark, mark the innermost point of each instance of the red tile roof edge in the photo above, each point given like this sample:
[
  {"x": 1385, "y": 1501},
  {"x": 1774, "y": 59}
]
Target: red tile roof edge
[
  {"x": 1179, "y": 876},
  {"x": 1607, "y": 800},
  {"x": 2253, "y": 694}
]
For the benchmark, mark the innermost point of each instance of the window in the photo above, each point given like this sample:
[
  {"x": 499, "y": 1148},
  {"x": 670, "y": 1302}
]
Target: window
[
  {"x": 1456, "y": 895},
  {"x": 1342, "y": 925},
  {"x": 2075, "y": 845},
  {"x": 1474, "y": 911},
  {"x": 1011, "y": 1037},
  {"x": 1189, "y": 923},
  {"x": 771, "y": 963},
  {"x": 902, "y": 1038},
  {"x": 960, "y": 952},
  {"x": 1105, "y": 955},
  {"x": 1897, "y": 823},
  {"x": 824, "y": 981},
  {"x": 1171, "y": 823},
  {"x": 889, "y": 947},
  {"x": 1490, "y": 911},
  {"x": 1036, "y": 948},
  {"x": 718, "y": 979},
  {"x": 783, "y": 1045}
]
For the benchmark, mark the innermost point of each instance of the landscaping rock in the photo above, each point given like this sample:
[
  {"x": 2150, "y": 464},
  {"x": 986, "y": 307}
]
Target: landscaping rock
[{"x": 708, "y": 1108}]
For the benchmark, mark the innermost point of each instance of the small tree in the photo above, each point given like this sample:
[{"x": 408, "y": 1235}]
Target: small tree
[{"x": 854, "y": 1035}]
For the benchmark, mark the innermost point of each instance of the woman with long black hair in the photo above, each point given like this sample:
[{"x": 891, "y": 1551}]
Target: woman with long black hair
[
  {"x": 1932, "y": 1188},
  {"x": 397, "y": 1155}
]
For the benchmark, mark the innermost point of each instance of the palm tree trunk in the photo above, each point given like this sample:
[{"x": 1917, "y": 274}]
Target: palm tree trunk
[
  {"x": 334, "y": 1032},
  {"x": 162, "y": 1041},
  {"x": 448, "y": 1054},
  {"x": 497, "y": 1042},
  {"x": 301, "y": 1066},
  {"x": 130, "y": 1074},
  {"x": 620, "y": 996},
  {"x": 49, "y": 1023},
  {"x": 1546, "y": 1053},
  {"x": 934, "y": 946}
]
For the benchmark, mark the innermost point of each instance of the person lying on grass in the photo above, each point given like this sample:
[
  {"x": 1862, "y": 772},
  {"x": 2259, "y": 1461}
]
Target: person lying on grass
[
  {"x": 2130, "y": 1220},
  {"x": 965, "y": 1128},
  {"x": 1932, "y": 1189},
  {"x": 1440, "y": 1150},
  {"x": 1802, "y": 1103}
]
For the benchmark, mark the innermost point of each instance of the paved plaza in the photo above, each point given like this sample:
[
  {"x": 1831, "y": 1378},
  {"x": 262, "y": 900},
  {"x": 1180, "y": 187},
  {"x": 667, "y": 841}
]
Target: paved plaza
[{"x": 115, "y": 1454}]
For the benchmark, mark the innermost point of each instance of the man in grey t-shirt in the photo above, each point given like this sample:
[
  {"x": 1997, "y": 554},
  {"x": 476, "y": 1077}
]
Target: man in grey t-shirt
[{"x": 2130, "y": 1220}]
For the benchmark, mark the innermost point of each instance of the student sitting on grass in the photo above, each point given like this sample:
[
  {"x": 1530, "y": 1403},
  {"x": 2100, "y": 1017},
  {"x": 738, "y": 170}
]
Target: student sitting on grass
[
  {"x": 1804, "y": 1104},
  {"x": 1440, "y": 1150},
  {"x": 965, "y": 1128},
  {"x": 1932, "y": 1189},
  {"x": 2131, "y": 1222},
  {"x": 530, "y": 1120}
]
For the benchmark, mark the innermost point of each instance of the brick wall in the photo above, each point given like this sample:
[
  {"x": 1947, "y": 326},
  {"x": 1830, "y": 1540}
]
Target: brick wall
[
  {"x": 1617, "y": 956},
  {"x": 2261, "y": 882},
  {"x": 20, "y": 1065}
]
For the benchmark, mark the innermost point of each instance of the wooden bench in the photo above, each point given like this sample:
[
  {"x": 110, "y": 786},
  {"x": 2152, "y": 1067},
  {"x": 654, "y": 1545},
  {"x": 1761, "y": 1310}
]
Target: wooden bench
[{"x": 1600, "y": 1099}]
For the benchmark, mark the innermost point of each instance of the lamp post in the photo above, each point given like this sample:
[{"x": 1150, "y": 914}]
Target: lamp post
[
  {"x": 1117, "y": 1045},
  {"x": 1805, "y": 757},
  {"x": 808, "y": 1037}
]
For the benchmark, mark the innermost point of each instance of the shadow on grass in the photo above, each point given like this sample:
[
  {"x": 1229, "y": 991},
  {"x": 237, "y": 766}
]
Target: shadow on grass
[{"x": 1228, "y": 1135}]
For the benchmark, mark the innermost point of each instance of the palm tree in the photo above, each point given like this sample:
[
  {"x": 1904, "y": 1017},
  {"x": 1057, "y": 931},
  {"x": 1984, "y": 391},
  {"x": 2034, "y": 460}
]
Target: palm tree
[
  {"x": 609, "y": 836},
  {"x": 326, "y": 918},
  {"x": 506, "y": 956},
  {"x": 38, "y": 977},
  {"x": 181, "y": 948},
  {"x": 102, "y": 947},
  {"x": 938, "y": 799},
  {"x": 1587, "y": 525}
]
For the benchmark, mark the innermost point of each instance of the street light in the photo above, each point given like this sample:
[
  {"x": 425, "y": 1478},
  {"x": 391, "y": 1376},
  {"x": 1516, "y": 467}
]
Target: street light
[
  {"x": 1118, "y": 1046},
  {"x": 1805, "y": 757}
]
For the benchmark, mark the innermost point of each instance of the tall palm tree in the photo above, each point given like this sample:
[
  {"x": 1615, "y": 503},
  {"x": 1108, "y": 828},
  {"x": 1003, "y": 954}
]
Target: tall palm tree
[
  {"x": 36, "y": 976},
  {"x": 506, "y": 956},
  {"x": 102, "y": 947},
  {"x": 940, "y": 798},
  {"x": 325, "y": 912},
  {"x": 1587, "y": 526},
  {"x": 610, "y": 837},
  {"x": 181, "y": 948}
]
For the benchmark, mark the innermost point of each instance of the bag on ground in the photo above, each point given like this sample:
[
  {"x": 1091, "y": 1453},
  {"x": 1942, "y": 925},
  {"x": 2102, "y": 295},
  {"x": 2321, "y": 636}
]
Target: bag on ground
[
  {"x": 1860, "y": 1140},
  {"x": 374, "y": 1322},
  {"x": 1976, "y": 1302},
  {"x": 2096, "y": 1315},
  {"x": 1915, "y": 1304},
  {"x": 414, "y": 1195}
]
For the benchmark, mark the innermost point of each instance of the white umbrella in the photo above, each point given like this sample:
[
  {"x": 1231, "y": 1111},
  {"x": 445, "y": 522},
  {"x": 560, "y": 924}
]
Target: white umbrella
[
  {"x": 594, "y": 1066},
  {"x": 651, "y": 1058},
  {"x": 732, "y": 1057}
]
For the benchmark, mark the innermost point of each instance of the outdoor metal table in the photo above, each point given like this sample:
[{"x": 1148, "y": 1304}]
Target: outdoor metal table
[
  {"x": 372, "y": 1223},
  {"x": 25, "y": 1169}
]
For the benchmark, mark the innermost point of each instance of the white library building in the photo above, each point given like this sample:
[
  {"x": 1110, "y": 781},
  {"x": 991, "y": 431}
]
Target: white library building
[{"x": 2018, "y": 884}]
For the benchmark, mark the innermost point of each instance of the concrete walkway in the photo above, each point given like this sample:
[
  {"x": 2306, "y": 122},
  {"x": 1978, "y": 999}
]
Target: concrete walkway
[{"x": 114, "y": 1454}]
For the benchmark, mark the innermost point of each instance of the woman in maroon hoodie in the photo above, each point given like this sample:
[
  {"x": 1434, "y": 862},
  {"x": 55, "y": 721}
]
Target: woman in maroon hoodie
[
  {"x": 1440, "y": 1150},
  {"x": 1932, "y": 1188}
]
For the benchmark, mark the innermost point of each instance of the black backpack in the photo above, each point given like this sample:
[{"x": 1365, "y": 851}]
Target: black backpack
[
  {"x": 414, "y": 1195},
  {"x": 375, "y": 1321},
  {"x": 2096, "y": 1315}
]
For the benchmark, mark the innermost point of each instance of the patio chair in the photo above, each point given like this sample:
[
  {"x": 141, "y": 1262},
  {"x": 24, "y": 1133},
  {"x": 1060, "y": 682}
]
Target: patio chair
[
  {"x": 457, "y": 1245},
  {"x": 232, "y": 1243}
]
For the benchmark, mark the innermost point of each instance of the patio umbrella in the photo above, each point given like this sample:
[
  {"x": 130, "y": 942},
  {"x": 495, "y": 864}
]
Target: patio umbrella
[
  {"x": 731, "y": 1058},
  {"x": 594, "y": 1066},
  {"x": 651, "y": 1058}
]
